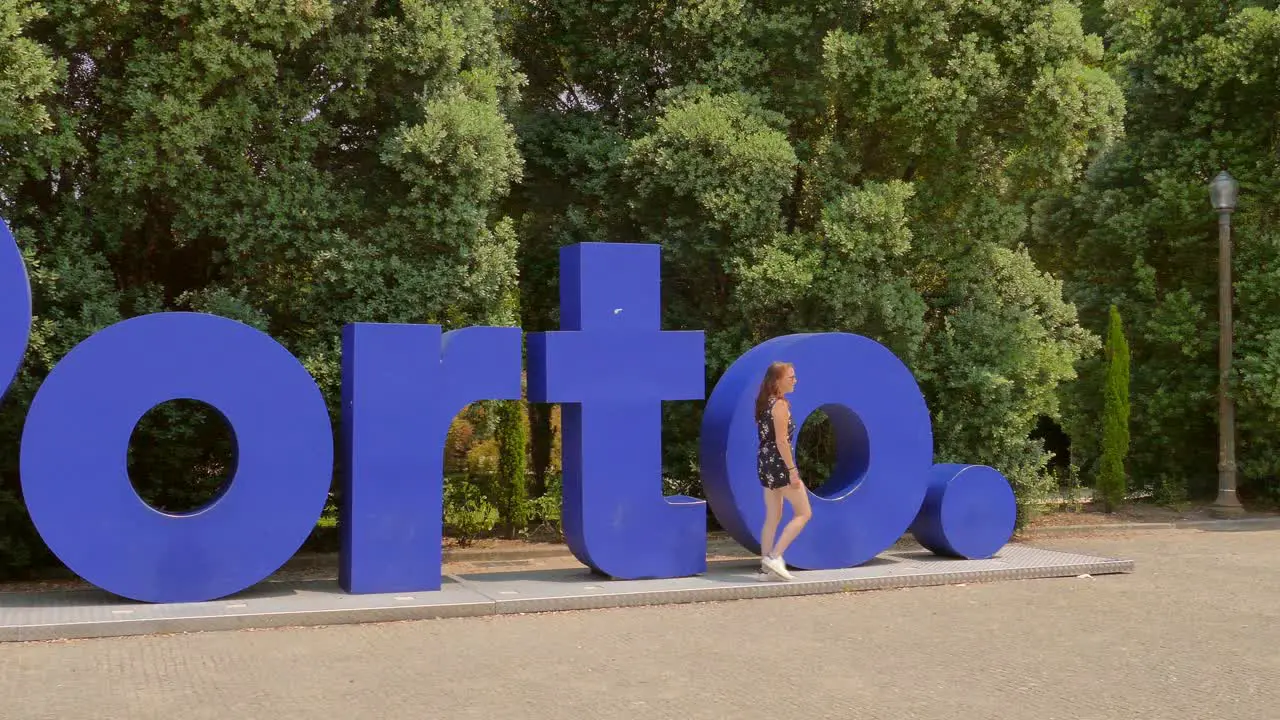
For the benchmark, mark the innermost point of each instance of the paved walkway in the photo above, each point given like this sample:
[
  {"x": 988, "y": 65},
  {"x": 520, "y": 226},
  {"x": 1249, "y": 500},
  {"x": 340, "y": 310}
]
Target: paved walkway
[{"x": 1194, "y": 633}]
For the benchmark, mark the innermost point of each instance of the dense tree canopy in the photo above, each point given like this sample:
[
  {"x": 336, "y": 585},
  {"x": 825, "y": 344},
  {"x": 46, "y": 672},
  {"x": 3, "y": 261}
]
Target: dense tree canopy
[
  {"x": 295, "y": 165},
  {"x": 951, "y": 178},
  {"x": 1202, "y": 80},
  {"x": 867, "y": 167}
]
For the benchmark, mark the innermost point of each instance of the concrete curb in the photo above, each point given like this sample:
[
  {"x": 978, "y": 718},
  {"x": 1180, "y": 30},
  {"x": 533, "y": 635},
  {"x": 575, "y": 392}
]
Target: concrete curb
[
  {"x": 451, "y": 555},
  {"x": 486, "y": 554},
  {"x": 720, "y": 544},
  {"x": 1264, "y": 523}
]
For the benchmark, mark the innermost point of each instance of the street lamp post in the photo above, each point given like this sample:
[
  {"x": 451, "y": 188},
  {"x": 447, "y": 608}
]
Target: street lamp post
[{"x": 1222, "y": 194}]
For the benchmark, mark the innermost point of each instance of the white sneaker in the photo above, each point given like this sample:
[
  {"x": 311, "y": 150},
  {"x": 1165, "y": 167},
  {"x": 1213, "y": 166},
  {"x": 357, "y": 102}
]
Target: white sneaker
[{"x": 777, "y": 567}]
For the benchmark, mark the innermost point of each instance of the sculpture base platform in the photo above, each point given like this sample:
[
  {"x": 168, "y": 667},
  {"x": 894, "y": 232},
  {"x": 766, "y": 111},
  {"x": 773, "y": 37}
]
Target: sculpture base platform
[{"x": 92, "y": 614}]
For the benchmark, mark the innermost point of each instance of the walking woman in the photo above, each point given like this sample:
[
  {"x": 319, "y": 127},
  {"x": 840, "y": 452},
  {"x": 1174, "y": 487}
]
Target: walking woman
[{"x": 777, "y": 467}]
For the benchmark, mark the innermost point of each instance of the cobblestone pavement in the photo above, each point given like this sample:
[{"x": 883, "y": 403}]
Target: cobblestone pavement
[{"x": 1192, "y": 634}]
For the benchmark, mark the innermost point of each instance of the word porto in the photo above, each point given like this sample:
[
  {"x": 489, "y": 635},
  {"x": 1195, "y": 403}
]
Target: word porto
[{"x": 611, "y": 367}]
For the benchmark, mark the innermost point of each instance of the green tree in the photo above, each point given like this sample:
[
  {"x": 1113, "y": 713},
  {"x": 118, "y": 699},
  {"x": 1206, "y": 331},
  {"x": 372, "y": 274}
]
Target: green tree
[
  {"x": 295, "y": 165},
  {"x": 1200, "y": 79},
  {"x": 513, "y": 488},
  {"x": 28, "y": 74},
  {"x": 1112, "y": 480},
  {"x": 812, "y": 166}
]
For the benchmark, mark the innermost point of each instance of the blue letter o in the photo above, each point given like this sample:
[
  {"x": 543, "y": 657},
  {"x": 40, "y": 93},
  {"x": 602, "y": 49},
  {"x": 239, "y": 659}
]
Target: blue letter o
[
  {"x": 75, "y": 477},
  {"x": 884, "y": 445}
]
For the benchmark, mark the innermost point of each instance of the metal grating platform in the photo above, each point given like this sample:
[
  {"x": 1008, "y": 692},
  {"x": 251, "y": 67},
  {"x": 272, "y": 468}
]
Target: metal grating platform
[{"x": 92, "y": 613}]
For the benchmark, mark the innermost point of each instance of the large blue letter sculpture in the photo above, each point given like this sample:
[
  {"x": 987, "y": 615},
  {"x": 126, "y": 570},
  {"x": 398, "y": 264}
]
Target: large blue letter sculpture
[
  {"x": 612, "y": 366},
  {"x": 884, "y": 446},
  {"x": 402, "y": 386},
  {"x": 883, "y": 472},
  {"x": 15, "y": 308},
  {"x": 75, "y": 477}
]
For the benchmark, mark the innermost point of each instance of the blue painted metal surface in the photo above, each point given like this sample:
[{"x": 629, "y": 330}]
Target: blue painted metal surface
[
  {"x": 969, "y": 511},
  {"x": 15, "y": 308},
  {"x": 402, "y": 387},
  {"x": 884, "y": 446},
  {"x": 612, "y": 366},
  {"x": 74, "y": 451}
]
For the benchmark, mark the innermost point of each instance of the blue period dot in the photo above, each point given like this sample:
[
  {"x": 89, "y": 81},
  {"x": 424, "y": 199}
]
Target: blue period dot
[{"x": 969, "y": 512}]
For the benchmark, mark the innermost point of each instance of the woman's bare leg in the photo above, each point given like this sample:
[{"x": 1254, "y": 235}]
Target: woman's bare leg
[
  {"x": 772, "y": 516},
  {"x": 798, "y": 496}
]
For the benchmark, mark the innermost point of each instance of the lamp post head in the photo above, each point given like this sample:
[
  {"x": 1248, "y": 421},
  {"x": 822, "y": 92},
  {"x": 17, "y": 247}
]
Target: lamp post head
[{"x": 1223, "y": 191}]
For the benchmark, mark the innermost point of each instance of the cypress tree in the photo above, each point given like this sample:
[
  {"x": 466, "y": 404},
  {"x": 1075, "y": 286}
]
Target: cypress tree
[
  {"x": 1115, "y": 416},
  {"x": 513, "y": 488}
]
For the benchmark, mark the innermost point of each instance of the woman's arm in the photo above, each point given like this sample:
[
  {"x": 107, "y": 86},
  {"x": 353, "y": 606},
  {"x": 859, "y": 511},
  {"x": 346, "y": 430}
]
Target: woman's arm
[{"x": 781, "y": 414}]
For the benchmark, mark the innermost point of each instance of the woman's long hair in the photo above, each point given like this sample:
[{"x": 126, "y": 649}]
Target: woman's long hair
[{"x": 769, "y": 388}]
